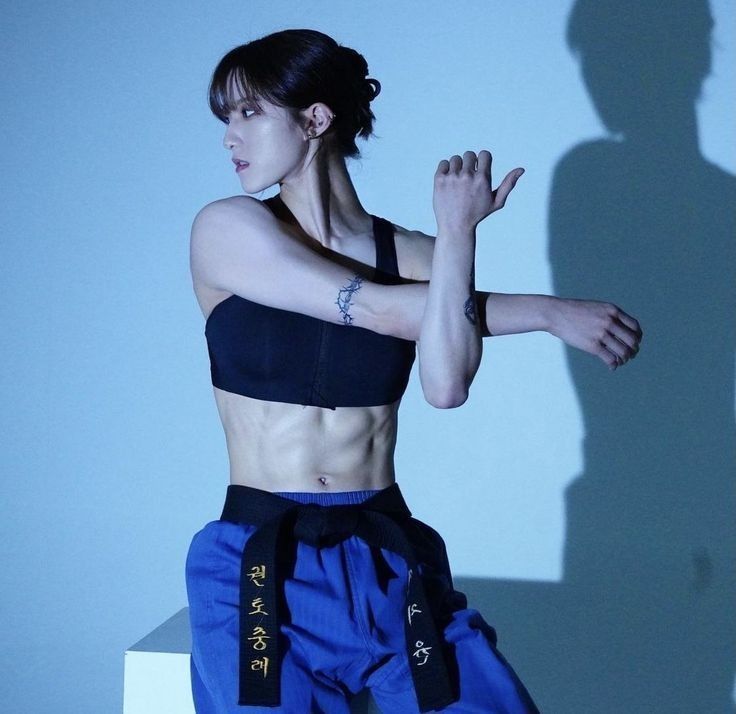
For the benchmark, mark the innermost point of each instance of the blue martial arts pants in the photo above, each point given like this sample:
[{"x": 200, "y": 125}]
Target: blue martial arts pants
[{"x": 345, "y": 631}]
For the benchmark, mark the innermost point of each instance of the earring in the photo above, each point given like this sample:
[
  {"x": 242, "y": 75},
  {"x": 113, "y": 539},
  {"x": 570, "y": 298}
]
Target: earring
[{"x": 313, "y": 135}]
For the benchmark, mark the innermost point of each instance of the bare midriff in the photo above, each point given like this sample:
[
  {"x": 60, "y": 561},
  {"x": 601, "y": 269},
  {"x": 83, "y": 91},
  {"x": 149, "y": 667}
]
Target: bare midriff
[{"x": 277, "y": 446}]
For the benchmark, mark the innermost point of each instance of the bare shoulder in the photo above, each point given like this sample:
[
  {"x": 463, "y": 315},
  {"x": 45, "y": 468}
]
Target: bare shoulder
[
  {"x": 214, "y": 228},
  {"x": 228, "y": 209},
  {"x": 414, "y": 251}
]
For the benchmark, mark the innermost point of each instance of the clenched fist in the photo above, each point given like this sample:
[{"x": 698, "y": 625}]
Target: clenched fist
[{"x": 462, "y": 191}]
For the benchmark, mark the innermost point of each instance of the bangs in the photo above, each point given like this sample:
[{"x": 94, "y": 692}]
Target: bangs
[{"x": 230, "y": 86}]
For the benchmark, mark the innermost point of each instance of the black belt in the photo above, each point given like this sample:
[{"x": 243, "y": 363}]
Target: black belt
[{"x": 380, "y": 521}]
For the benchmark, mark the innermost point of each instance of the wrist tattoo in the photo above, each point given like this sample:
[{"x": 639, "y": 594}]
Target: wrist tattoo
[
  {"x": 345, "y": 295},
  {"x": 469, "y": 306}
]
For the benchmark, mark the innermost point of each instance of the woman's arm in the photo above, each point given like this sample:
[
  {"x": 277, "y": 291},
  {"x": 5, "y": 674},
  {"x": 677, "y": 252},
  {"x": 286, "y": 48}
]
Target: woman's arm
[
  {"x": 600, "y": 328},
  {"x": 238, "y": 246},
  {"x": 450, "y": 332},
  {"x": 449, "y": 343},
  {"x": 513, "y": 313}
]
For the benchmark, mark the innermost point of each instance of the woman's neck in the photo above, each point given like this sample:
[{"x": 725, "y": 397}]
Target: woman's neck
[{"x": 324, "y": 202}]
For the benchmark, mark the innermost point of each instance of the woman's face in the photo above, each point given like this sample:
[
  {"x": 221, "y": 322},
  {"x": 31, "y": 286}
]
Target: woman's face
[{"x": 274, "y": 146}]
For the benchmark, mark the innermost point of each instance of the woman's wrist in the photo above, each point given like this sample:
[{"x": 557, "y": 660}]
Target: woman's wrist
[
  {"x": 548, "y": 312},
  {"x": 515, "y": 313}
]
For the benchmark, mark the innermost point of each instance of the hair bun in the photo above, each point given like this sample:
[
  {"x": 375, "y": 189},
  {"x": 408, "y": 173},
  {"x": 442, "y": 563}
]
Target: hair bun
[
  {"x": 357, "y": 71},
  {"x": 374, "y": 87}
]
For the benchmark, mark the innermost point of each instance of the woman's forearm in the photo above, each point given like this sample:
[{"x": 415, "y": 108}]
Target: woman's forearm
[
  {"x": 449, "y": 343},
  {"x": 399, "y": 309},
  {"x": 512, "y": 314}
]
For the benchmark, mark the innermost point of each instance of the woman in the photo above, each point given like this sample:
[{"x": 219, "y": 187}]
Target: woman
[{"x": 316, "y": 582}]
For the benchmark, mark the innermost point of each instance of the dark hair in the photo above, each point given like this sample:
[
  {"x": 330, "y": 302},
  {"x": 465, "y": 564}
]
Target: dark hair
[{"x": 294, "y": 69}]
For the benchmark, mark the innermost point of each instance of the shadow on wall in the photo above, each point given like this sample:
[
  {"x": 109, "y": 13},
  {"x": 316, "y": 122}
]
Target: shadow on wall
[
  {"x": 639, "y": 218},
  {"x": 643, "y": 620}
]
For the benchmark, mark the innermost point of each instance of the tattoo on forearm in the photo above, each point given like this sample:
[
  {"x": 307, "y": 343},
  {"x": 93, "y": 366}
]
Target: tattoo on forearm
[
  {"x": 469, "y": 306},
  {"x": 345, "y": 295}
]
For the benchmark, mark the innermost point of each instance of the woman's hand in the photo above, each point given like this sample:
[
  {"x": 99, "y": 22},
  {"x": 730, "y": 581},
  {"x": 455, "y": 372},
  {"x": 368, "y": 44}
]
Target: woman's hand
[
  {"x": 600, "y": 328},
  {"x": 462, "y": 193}
]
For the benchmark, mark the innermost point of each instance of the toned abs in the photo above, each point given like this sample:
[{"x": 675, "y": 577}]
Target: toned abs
[
  {"x": 278, "y": 446},
  {"x": 291, "y": 447}
]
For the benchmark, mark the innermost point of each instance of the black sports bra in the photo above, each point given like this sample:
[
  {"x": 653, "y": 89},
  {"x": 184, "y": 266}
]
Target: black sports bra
[{"x": 283, "y": 356}]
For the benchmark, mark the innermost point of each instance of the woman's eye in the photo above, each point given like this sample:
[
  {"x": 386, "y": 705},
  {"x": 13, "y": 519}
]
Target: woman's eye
[{"x": 243, "y": 111}]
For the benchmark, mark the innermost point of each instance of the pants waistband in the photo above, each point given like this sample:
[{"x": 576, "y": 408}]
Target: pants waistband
[
  {"x": 326, "y": 498},
  {"x": 267, "y": 560}
]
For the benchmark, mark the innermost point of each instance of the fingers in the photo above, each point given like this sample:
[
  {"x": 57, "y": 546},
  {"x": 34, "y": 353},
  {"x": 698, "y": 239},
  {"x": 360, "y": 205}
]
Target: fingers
[
  {"x": 442, "y": 168},
  {"x": 484, "y": 164},
  {"x": 620, "y": 344},
  {"x": 626, "y": 330},
  {"x": 619, "y": 352},
  {"x": 612, "y": 352},
  {"x": 630, "y": 322},
  {"x": 610, "y": 358},
  {"x": 469, "y": 162},
  {"x": 506, "y": 186},
  {"x": 452, "y": 166}
]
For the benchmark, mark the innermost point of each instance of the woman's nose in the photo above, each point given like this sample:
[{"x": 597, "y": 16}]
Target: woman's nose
[{"x": 228, "y": 140}]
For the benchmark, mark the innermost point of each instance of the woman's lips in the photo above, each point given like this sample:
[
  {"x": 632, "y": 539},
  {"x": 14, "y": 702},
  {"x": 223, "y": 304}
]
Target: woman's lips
[{"x": 240, "y": 167}]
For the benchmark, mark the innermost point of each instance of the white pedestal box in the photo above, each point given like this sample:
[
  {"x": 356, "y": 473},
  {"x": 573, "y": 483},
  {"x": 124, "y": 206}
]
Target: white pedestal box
[{"x": 157, "y": 677}]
